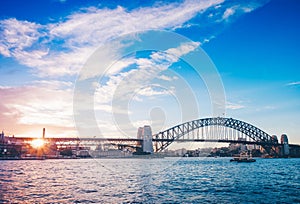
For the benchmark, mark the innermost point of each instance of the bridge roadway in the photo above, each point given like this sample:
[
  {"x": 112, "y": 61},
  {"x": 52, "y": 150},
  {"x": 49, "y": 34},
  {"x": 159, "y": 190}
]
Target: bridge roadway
[
  {"x": 96, "y": 141},
  {"x": 77, "y": 139},
  {"x": 134, "y": 144}
]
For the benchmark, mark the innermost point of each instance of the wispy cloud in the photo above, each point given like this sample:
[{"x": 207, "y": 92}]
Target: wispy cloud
[
  {"x": 58, "y": 49},
  {"x": 18, "y": 35},
  {"x": 234, "y": 106},
  {"x": 296, "y": 83},
  {"x": 234, "y": 9},
  {"x": 47, "y": 103},
  {"x": 79, "y": 34},
  {"x": 146, "y": 70},
  {"x": 228, "y": 12},
  {"x": 266, "y": 108},
  {"x": 151, "y": 91},
  {"x": 61, "y": 48},
  {"x": 167, "y": 78}
]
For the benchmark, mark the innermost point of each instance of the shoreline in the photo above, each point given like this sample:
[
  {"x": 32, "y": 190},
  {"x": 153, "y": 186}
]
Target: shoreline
[{"x": 129, "y": 157}]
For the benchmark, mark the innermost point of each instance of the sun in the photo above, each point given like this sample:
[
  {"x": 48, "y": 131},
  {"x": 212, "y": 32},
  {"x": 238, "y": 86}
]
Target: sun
[{"x": 37, "y": 143}]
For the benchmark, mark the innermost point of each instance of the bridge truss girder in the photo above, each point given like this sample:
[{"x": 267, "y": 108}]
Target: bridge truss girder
[{"x": 214, "y": 129}]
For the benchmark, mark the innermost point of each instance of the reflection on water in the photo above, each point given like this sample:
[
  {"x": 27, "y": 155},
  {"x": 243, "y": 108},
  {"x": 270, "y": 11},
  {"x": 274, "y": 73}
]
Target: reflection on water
[{"x": 189, "y": 180}]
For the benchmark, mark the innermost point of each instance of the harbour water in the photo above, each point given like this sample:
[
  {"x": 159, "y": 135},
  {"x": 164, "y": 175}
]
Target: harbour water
[{"x": 160, "y": 180}]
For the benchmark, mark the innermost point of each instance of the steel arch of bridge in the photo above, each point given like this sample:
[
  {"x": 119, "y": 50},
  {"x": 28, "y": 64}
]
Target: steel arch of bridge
[{"x": 163, "y": 139}]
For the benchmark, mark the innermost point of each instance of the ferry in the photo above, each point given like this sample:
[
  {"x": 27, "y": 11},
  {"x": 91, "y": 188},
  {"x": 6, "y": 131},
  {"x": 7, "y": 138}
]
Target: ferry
[{"x": 243, "y": 157}]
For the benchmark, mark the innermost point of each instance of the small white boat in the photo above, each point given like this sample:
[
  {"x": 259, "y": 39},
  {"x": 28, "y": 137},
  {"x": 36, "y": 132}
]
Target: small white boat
[{"x": 243, "y": 157}]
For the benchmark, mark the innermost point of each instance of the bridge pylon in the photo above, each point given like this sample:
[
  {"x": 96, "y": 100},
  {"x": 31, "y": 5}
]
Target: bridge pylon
[{"x": 145, "y": 133}]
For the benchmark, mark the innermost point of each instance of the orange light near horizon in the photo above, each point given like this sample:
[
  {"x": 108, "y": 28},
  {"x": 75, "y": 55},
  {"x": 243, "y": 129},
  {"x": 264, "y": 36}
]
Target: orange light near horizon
[{"x": 37, "y": 143}]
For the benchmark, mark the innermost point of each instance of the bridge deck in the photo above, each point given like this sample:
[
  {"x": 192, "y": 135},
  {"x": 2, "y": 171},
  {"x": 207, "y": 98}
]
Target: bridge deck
[{"x": 76, "y": 139}]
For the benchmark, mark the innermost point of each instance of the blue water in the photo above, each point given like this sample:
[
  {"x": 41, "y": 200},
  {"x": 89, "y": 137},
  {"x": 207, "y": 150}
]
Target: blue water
[{"x": 163, "y": 180}]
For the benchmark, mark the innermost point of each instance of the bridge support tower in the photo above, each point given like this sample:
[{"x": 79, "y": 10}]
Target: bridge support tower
[
  {"x": 145, "y": 133},
  {"x": 285, "y": 145}
]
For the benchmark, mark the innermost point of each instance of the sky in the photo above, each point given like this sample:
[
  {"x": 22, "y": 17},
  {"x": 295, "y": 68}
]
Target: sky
[{"x": 104, "y": 68}]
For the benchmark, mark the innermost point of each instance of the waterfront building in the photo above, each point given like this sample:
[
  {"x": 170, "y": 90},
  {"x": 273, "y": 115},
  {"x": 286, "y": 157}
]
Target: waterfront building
[
  {"x": 2, "y": 138},
  {"x": 243, "y": 147}
]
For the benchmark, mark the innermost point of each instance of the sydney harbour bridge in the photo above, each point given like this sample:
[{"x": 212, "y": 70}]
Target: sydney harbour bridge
[{"x": 215, "y": 129}]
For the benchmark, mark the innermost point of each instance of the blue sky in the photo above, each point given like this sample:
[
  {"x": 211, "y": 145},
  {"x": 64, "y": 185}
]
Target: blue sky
[{"x": 44, "y": 46}]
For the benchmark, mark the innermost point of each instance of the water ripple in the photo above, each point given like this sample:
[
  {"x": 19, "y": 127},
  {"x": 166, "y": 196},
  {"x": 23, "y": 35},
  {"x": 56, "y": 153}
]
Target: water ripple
[{"x": 187, "y": 180}]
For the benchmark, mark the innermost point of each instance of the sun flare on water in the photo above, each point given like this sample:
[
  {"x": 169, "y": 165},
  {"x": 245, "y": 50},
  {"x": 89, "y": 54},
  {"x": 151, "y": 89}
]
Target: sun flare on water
[{"x": 37, "y": 143}]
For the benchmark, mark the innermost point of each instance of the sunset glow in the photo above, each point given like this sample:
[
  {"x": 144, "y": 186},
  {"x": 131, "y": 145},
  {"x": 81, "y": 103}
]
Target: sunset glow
[{"x": 37, "y": 143}]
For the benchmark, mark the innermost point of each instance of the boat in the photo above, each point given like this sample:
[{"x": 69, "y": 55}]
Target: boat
[{"x": 243, "y": 157}]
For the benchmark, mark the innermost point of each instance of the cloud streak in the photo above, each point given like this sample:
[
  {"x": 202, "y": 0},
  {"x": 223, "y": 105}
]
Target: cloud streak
[
  {"x": 123, "y": 83},
  {"x": 296, "y": 83},
  {"x": 76, "y": 37},
  {"x": 234, "y": 106},
  {"x": 61, "y": 48},
  {"x": 44, "y": 103}
]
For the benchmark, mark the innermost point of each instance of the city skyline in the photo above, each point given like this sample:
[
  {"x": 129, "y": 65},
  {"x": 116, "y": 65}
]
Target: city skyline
[{"x": 44, "y": 46}]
